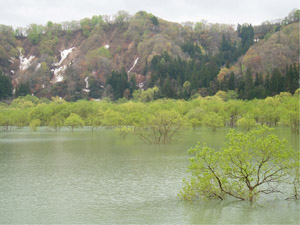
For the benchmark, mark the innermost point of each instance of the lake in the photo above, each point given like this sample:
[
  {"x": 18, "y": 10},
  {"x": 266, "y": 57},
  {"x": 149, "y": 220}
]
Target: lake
[{"x": 99, "y": 177}]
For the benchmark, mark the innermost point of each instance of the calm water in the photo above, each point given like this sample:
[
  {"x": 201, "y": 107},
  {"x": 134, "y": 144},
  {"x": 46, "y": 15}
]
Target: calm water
[{"x": 85, "y": 177}]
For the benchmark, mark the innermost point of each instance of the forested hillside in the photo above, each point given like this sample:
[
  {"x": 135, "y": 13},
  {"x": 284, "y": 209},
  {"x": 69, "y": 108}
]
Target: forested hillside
[{"x": 125, "y": 56}]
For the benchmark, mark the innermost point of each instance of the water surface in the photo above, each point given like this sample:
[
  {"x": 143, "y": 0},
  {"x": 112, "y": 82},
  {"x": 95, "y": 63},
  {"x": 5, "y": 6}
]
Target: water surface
[{"x": 99, "y": 177}]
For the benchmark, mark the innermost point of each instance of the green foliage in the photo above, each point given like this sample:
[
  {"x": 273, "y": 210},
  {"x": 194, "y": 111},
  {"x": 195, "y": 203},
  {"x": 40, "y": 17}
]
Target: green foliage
[
  {"x": 154, "y": 20},
  {"x": 139, "y": 25},
  {"x": 93, "y": 120},
  {"x": 119, "y": 83},
  {"x": 145, "y": 95},
  {"x": 246, "y": 33},
  {"x": 192, "y": 49},
  {"x": 124, "y": 131},
  {"x": 289, "y": 115},
  {"x": 169, "y": 74},
  {"x": 23, "y": 89},
  {"x": 5, "y": 86},
  {"x": 147, "y": 115},
  {"x": 34, "y": 124},
  {"x": 56, "y": 122},
  {"x": 247, "y": 122},
  {"x": 122, "y": 18},
  {"x": 161, "y": 127},
  {"x": 5, "y": 120},
  {"x": 213, "y": 121},
  {"x": 99, "y": 59},
  {"x": 74, "y": 121},
  {"x": 87, "y": 25},
  {"x": 250, "y": 164},
  {"x": 34, "y": 33}
]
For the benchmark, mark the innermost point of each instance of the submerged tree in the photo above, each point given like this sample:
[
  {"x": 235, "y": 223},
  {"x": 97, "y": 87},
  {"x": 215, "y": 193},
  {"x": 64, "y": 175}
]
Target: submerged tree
[
  {"x": 161, "y": 127},
  {"x": 74, "y": 121},
  {"x": 124, "y": 131},
  {"x": 250, "y": 164},
  {"x": 34, "y": 124}
]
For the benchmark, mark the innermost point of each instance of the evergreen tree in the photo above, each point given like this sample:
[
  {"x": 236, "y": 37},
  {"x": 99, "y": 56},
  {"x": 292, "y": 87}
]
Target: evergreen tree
[
  {"x": 167, "y": 89},
  {"x": 267, "y": 84},
  {"x": 23, "y": 89},
  {"x": 292, "y": 78},
  {"x": 247, "y": 35},
  {"x": 96, "y": 89},
  {"x": 119, "y": 83},
  {"x": 231, "y": 81},
  {"x": 277, "y": 82},
  {"x": 248, "y": 85},
  {"x": 258, "y": 80},
  {"x": 132, "y": 84},
  {"x": 5, "y": 86}
]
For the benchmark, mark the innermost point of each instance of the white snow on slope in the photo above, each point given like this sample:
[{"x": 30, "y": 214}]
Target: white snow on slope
[
  {"x": 25, "y": 63},
  {"x": 86, "y": 89},
  {"x": 58, "y": 77},
  {"x": 135, "y": 62},
  {"x": 63, "y": 55},
  {"x": 141, "y": 85},
  {"x": 38, "y": 66},
  {"x": 11, "y": 60},
  {"x": 86, "y": 80},
  {"x": 57, "y": 74}
]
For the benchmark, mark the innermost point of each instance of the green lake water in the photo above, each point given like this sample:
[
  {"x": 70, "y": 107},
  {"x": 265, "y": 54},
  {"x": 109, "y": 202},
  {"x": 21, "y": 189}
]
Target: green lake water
[{"x": 101, "y": 178}]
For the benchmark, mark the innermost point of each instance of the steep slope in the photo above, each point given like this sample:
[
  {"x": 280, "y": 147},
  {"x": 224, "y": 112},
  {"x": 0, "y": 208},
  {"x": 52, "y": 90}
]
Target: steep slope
[
  {"x": 276, "y": 52},
  {"x": 75, "y": 59}
]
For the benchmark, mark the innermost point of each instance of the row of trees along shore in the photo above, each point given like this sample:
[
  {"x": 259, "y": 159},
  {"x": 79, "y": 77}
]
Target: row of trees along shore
[
  {"x": 156, "y": 121},
  {"x": 250, "y": 164}
]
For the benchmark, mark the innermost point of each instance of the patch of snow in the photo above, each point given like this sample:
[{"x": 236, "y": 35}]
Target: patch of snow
[
  {"x": 25, "y": 63},
  {"x": 135, "y": 62},
  {"x": 38, "y": 66},
  {"x": 102, "y": 86},
  {"x": 58, "y": 74},
  {"x": 63, "y": 55},
  {"x": 12, "y": 72},
  {"x": 11, "y": 60},
  {"x": 106, "y": 46},
  {"x": 141, "y": 85},
  {"x": 86, "y": 89},
  {"x": 43, "y": 86},
  {"x": 86, "y": 80}
]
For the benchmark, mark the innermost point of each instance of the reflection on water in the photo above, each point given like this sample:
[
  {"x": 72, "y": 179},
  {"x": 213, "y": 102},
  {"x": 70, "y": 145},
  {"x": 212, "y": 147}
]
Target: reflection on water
[{"x": 86, "y": 177}]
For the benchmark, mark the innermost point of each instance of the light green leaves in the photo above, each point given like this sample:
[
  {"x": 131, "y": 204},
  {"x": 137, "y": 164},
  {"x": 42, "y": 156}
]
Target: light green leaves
[{"x": 250, "y": 164}]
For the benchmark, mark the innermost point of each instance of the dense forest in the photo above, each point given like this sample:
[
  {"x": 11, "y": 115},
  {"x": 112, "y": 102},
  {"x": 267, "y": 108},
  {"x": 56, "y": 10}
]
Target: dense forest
[{"x": 121, "y": 56}]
